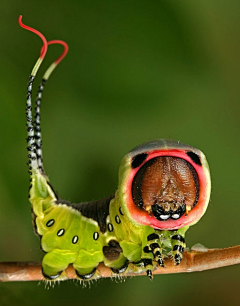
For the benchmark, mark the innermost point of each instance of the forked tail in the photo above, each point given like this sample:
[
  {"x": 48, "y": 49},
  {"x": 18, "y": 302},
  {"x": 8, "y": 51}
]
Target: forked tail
[
  {"x": 34, "y": 141},
  {"x": 37, "y": 127}
]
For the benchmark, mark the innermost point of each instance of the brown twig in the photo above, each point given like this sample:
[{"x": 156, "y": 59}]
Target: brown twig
[{"x": 192, "y": 261}]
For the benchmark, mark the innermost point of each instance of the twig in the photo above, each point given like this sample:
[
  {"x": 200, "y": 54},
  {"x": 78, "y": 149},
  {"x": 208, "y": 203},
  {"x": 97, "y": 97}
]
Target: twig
[{"x": 192, "y": 262}]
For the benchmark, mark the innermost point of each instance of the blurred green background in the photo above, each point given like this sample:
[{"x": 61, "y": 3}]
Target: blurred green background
[{"x": 136, "y": 71}]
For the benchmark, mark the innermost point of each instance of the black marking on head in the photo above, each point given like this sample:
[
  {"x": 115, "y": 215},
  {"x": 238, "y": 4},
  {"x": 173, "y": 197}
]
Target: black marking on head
[
  {"x": 86, "y": 276},
  {"x": 152, "y": 237},
  {"x": 75, "y": 239},
  {"x": 117, "y": 219},
  {"x": 121, "y": 269},
  {"x": 138, "y": 160},
  {"x": 162, "y": 215},
  {"x": 194, "y": 157},
  {"x": 50, "y": 222},
  {"x": 178, "y": 248},
  {"x": 61, "y": 232},
  {"x": 110, "y": 227},
  {"x": 95, "y": 235},
  {"x": 179, "y": 238},
  {"x": 120, "y": 210}
]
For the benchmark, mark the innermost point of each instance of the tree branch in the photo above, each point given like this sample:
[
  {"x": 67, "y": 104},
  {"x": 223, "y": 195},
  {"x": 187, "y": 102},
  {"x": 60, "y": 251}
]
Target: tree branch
[{"x": 193, "y": 261}]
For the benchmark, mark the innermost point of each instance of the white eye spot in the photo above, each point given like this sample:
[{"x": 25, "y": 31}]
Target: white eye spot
[
  {"x": 175, "y": 216},
  {"x": 164, "y": 217}
]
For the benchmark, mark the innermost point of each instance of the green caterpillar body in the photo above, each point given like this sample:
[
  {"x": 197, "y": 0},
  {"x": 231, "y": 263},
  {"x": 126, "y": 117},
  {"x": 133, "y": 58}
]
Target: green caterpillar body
[
  {"x": 164, "y": 187},
  {"x": 86, "y": 234}
]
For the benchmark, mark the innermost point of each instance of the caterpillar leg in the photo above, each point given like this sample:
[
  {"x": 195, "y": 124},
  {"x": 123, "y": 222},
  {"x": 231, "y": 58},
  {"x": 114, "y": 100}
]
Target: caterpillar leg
[
  {"x": 55, "y": 262},
  {"x": 154, "y": 247},
  {"x": 86, "y": 264},
  {"x": 151, "y": 250},
  {"x": 178, "y": 245}
]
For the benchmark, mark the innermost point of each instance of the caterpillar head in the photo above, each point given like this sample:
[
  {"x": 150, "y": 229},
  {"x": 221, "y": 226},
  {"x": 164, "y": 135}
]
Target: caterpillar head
[{"x": 164, "y": 184}]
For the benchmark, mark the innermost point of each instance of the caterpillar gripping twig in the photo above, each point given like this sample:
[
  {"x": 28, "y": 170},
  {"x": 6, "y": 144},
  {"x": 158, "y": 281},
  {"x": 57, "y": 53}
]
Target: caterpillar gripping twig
[{"x": 164, "y": 187}]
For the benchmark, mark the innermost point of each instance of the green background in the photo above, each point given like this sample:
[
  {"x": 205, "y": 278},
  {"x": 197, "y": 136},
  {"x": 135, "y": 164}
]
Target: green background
[{"x": 136, "y": 71}]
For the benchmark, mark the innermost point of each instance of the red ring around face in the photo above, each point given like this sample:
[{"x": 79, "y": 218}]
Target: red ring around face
[{"x": 142, "y": 217}]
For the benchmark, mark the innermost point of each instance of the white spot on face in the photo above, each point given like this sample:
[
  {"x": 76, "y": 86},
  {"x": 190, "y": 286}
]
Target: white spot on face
[
  {"x": 175, "y": 216},
  {"x": 164, "y": 217}
]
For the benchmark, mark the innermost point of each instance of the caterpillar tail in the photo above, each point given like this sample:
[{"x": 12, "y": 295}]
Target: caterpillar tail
[{"x": 41, "y": 193}]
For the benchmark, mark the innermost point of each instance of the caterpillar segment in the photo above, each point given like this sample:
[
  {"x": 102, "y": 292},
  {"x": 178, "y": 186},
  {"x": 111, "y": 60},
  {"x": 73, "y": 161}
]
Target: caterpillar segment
[{"x": 163, "y": 189}]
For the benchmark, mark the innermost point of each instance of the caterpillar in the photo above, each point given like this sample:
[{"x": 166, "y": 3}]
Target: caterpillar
[{"x": 163, "y": 189}]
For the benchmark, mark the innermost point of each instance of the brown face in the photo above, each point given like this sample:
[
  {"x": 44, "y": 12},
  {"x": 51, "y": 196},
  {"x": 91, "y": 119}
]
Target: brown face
[{"x": 166, "y": 187}]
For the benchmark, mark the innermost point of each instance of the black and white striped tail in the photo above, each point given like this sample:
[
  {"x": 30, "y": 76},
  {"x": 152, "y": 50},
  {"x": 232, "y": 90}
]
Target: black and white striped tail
[
  {"x": 37, "y": 127},
  {"x": 31, "y": 147}
]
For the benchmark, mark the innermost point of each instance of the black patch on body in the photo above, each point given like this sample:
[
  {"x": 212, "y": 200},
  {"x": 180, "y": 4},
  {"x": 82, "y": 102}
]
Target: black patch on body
[
  {"x": 112, "y": 251},
  {"x": 194, "y": 157},
  {"x": 138, "y": 160},
  {"x": 96, "y": 210}
]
